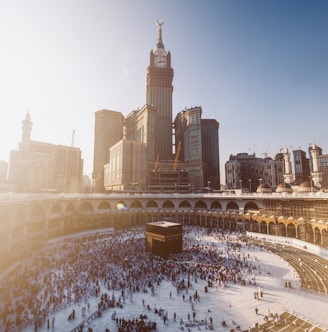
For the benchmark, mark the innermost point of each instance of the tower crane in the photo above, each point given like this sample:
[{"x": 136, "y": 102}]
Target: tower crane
[{"x": 177, "y": 156}]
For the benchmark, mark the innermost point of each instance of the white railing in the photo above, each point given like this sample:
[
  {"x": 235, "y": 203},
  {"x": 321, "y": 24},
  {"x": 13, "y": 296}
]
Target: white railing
[{"x": 10, "y": 196}]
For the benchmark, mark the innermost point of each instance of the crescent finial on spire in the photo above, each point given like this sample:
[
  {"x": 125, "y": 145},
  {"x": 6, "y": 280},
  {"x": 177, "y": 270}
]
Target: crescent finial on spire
[
  {"x": 159, "y": 23},
  {"x": 159, "y": 34}
]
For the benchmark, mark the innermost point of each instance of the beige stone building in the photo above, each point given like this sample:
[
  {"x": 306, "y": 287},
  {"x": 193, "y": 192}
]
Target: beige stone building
[
  {"x": 44, "y": 167},
  {"x": 126, "y": 169}
]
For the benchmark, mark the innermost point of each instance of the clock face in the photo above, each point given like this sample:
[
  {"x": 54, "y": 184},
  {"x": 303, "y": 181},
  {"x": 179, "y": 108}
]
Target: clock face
[{"x": 160, "y": 61}]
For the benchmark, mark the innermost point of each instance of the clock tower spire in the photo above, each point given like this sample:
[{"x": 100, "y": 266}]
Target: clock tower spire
[{"x": 159, "y": 35}]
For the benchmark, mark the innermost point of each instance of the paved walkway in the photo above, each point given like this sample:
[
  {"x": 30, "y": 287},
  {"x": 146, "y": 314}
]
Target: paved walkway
[{"x": 235, "y": 303}]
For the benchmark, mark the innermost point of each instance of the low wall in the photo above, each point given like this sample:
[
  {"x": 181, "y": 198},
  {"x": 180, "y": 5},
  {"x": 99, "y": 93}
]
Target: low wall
[{"x": 292, "y": 242}]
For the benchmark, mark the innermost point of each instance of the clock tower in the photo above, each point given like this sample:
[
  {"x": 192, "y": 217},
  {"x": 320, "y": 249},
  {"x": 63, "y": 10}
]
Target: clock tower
[{"x": 159, "y": 94}]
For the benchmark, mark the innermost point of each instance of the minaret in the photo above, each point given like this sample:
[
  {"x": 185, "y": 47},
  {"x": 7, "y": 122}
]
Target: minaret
[
  {"x": 159, "y": 95},
  {"x": 26, "y": 132},
  {"x": 316, "y": 176},
  {"x": 288, "y": 175}
]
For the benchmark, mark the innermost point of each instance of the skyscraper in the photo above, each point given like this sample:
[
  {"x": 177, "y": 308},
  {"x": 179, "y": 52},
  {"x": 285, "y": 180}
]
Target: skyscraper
[
  {"x": 210, "y": 151},
  {"x": 108, "y": 131},
  {"x": 159, "y": 94},
  {"x": 168, "y": 167},
  {"x": 141, "y": 127},
  {"x": 198, "y": 140},
  {"x": 188, "y": 136}
]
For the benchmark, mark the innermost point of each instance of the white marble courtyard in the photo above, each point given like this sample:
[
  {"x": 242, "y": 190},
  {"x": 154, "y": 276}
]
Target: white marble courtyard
[{"x": 234, "y": 303}]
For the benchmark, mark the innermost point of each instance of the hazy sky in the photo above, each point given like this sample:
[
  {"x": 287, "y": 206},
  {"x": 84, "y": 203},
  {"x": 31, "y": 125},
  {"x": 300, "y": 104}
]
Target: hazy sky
[{"x": 259, "y": 67}]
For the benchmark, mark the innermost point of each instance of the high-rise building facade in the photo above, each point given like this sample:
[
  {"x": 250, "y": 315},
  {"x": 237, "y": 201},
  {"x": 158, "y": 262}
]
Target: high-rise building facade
[
  {"x": 129, "y": 158},
  {"x": 188, "y": 138},
  {"x": 241, "y": 168},
  {"x": 159, "y": 94},
  {"x": 245, "y": 171},
  {"x": 188, "y": 131},
  {"x": 198, "y": 142},
  {"x": 108, "y": 131},
  {"x": 44, "y": 167},
  {"x": 210, "y": 151},
  {"x": 301, "y": 167},
  {"x": 323, "y": 170},
  {"x": 141, "y": 127},
  {"x": 273, "y": 171}
]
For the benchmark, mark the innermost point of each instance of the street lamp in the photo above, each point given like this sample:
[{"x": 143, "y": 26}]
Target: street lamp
[
  {"x": 208, "y": 186},
  {"x": 250, "y": 184},
  {"x": 240, "y": 183}
]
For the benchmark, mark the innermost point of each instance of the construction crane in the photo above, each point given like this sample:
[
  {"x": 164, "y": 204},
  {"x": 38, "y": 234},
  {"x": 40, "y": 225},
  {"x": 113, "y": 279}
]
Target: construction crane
[{"x": 177, "y": 153}]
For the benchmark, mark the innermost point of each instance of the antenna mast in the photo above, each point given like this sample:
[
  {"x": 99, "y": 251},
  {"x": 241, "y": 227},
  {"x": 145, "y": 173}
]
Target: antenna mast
[{"x": 73, "y": 138}]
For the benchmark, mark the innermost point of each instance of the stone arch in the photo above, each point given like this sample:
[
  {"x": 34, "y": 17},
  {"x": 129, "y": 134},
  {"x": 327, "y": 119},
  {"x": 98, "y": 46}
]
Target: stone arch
[
  {"x": 317, "y": 236},
  {"x": 251, "y": 207},
  {"x": 232, "y": 207},
  {"x": 291, "y": 230},
  {"x": 216, "y": 206},
  {"x": 56, "y": 211},
  {"x": 184, "y": 205},
  {"x": 263, "y": 227},
  {"x": 200, "y": 205},
  {"x": 305, "y": 232},
  {"x": 233, "y": 224},
  {"x": 84, "y": 215},
  {"x": 104, "y": 206},
  {"x": 281, "y": 229},
  {"x": 135, "y": 205},
  {"x": 85, "y": 207},
  {"x": 152, "y": 204},
  {"x": 70, "y": 208},
  {"x": 168, "y": 205},
  {"x": 254, "y": 226}
]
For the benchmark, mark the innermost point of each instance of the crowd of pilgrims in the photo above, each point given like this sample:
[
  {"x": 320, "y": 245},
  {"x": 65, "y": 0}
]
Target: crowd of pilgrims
[{"x": 70, "y": 272}]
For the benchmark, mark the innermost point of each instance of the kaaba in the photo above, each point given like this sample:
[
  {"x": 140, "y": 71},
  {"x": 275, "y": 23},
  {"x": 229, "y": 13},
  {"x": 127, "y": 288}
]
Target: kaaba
[{"x": 163, "y": 238}]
